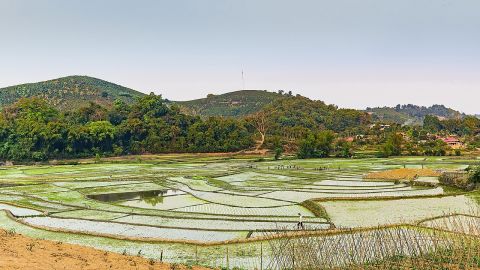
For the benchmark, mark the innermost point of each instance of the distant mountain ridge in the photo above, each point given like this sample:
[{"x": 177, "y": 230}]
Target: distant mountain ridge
[
  {"x": 232, "y": 104},
  {"x": 412, "y": 114},
  {"x": 70, "y": 92}
]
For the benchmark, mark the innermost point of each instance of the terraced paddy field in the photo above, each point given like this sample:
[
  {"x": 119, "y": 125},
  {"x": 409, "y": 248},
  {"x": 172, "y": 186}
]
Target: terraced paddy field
[{"x": 215, "y": 210}]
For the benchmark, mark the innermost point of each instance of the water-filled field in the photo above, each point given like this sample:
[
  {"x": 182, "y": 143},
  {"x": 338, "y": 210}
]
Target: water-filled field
[{"x": 178, "y": 203}]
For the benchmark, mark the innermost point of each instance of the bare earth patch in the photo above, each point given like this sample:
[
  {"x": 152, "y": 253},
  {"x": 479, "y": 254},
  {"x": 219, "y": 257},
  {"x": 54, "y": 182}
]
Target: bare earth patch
[
  {"x": 402, "y": 174},
  {"x": 20, "y": 252}
]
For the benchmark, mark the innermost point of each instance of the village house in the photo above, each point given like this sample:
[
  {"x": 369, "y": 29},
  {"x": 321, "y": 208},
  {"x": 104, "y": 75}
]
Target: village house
[
  {"x": 453, "y": 142},
  {"x": 380, "y": 126},
  {"x": 405, "y": 136}
]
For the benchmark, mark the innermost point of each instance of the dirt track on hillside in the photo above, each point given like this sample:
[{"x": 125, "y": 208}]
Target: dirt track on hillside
[{"x": 20, "y": 252}]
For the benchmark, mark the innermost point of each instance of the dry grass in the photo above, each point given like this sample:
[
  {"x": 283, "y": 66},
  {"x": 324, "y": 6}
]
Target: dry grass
[
  {"x": 402, "y": 247},
  {"x": 402, "y": 174}
]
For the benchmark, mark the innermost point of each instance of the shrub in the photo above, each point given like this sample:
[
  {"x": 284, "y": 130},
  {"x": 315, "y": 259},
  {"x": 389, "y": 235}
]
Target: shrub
[
  {"x": 474, "y": 174},
  {"x": 278, "y": 153},
  {"x": 97, "y": 158},
  {"x": 458, "y": 179}
]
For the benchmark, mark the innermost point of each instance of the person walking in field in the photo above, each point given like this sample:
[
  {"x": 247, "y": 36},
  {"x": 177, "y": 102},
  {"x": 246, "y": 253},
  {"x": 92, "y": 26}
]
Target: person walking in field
[{"x": 300, "y": 222}]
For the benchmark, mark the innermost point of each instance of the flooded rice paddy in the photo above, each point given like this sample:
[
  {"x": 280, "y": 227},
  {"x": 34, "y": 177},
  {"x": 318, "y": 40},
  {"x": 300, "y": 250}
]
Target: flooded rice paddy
[
  {"x": 352, "y": 214},
  {"x": 212, "y": 200},
  {"x": 135, "y": 195}
]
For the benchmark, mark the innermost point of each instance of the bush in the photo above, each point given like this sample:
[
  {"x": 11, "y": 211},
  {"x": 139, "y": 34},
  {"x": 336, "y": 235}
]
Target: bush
[
  {"x": 98, "y": 159},
  {"x": 39, "y": 156},
  {"x": 474, "y": 174},
  {"x": 457, "y": 179}
]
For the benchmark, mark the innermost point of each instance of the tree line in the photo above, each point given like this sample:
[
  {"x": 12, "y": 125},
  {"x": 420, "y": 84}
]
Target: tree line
[{"x": 31, "y": 129}]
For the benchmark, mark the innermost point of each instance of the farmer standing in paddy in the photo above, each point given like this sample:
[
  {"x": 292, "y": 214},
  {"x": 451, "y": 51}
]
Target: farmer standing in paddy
[{"x": 300, "y": 222}]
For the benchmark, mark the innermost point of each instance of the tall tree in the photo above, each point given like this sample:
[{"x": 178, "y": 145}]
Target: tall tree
[
  {"x": 316, "y": 145},
  {"x": 261, "y": 122},
  {"x": 393, "y": 145}
]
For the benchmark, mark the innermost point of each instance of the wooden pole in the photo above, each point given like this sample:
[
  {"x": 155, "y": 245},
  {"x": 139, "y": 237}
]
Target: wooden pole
[
  {"x": 293, "y": 256},
  {"x": 261, "y": 255},
  {"x": 196, "y": 254},
  {"x": 228, "y": 261}
]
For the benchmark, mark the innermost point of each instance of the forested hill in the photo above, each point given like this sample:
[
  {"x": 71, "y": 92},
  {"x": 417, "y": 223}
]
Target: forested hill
[
  {"x": 70, "y": 92},
  {"x": 292, "y": 118},
  {"x": 233, "y": 104},
  {"x": 412, "y": 114}
]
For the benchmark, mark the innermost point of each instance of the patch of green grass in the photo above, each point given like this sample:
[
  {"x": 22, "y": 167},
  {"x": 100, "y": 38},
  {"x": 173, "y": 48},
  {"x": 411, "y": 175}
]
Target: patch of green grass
[
  {"x": 317, "y": 209},
  {"x": 221, "y": 184}
]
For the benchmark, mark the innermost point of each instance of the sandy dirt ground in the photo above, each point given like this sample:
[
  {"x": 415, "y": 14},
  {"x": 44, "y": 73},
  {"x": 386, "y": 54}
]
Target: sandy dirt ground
[{"x": 20, "y": 252}]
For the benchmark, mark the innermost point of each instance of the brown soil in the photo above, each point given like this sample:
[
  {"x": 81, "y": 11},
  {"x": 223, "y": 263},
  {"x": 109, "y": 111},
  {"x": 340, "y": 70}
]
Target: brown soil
[{"x": 20, "y": 252}]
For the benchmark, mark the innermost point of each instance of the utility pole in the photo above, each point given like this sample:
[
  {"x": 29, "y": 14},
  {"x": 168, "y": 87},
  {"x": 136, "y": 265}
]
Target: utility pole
[{"x": 243, "y": 80}]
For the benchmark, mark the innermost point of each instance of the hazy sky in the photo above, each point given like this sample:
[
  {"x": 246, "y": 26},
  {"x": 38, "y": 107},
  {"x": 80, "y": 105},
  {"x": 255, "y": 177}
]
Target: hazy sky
[{"x": 354, "y": 53}]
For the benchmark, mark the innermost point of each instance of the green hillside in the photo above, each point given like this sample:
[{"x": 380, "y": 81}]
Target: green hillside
[
  {"x": 70, "y": 92},
  {"x": 238, "y": 103},
  {"x": 412, "y": 114}
]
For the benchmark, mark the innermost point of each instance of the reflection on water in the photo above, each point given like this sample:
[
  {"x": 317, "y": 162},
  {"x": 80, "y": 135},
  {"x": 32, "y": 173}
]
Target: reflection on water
[
  {"x": 152, "y": 197},
  {"x": 152, "y": 200},
  {"x": 3, "y": 185}
]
